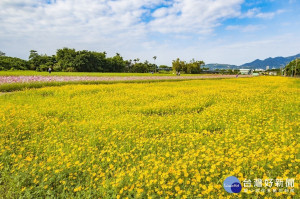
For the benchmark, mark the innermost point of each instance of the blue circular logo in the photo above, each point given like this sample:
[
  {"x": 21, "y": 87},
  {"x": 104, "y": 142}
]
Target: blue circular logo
[{"x": 232, "y": 185}]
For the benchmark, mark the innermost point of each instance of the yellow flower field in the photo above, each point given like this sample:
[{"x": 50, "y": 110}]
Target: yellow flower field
[{"x": 150, "y": 140}]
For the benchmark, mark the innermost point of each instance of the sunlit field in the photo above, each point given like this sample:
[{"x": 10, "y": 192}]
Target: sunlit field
[{"x": 150, "y": 140}]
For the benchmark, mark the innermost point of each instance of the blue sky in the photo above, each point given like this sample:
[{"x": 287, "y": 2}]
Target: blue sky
[{"x": 216, "y": 31}]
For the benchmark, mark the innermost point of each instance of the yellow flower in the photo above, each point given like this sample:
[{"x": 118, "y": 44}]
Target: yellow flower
[
  {"x": 159, "y": 140},
  {"x": 29, "y": 159},
  {"x": 140, "y": 190},
  {"x": 177, "y": 188},
  {"x": 77, "y": 189},
  {"x": 180, "y": 181}
]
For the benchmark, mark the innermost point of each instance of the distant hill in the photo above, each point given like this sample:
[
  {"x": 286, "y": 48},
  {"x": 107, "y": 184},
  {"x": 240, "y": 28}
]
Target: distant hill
[
  {"x": 220, "y": 66},
  {"x": 275, "y": 62}
]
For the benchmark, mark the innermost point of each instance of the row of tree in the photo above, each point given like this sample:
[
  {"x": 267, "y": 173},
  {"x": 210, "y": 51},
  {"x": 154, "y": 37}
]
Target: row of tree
[
  {"x": 70, "y": 60},
  {"x": 13, "y": 63},
  {"x": 293, "y": 68},
  {"x": 192, "y": 67}
]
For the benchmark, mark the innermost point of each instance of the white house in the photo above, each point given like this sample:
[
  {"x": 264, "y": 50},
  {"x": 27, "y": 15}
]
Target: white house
[
  {"x": 246, "y": 71},
  {"x": 274, "y": 73},
  {"x": 259, "y": 70}
]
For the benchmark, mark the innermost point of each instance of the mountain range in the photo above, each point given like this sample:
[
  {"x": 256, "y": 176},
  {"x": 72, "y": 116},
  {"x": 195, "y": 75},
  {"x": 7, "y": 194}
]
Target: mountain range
[{"x": 275, "y": 62}]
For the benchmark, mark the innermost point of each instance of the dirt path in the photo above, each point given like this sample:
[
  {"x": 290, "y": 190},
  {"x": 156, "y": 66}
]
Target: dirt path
[{"x": 24, "y": 79}]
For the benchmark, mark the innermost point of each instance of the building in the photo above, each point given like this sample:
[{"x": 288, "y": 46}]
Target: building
[
  {"x": 259, "y": 70},
  {"x": 267, "y": 67},
  {"x": 246, "y": 71},
  {"x": 274, "y": 73}
]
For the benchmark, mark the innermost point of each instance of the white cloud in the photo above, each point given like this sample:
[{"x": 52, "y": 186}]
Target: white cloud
[
  {"x": 193, "y": 15},
  {"x": 106, "y": 17},
  {"x": 256, "y": 13},
  {"x": 247, "y": 28},
  {"x": 104, "y": 24},
  {"x": 71, "y": 23},
  {"x": 124, "y": 26}
]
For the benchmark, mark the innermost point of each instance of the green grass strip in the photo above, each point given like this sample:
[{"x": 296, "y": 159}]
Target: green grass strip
[{"x": 23, "y": 86}]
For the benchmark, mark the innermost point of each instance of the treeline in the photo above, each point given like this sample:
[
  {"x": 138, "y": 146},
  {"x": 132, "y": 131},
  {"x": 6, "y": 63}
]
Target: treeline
[
  {"x": 293, "y": 68},
  {"x": 192, "y": 67},
  {"x": 70, "y": 60},
  {"x": 13, "y": 63}
]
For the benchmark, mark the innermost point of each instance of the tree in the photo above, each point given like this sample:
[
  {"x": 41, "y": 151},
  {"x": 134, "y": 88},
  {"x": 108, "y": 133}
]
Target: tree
[
  {"x": 164, "y": 66},
  {"x": 118, "y": 63},
  {"x": 13, "y": 63},
  {"x": 65, "y": 59},
  {"x": 128, "y": 65},
  {"x": 2, "y": 54},
  {"x": 33, "y": 59},
  {"x": 178, "y": 65},
  {"x": 140, "y": 68},
  {"x": 293, "y": 68},
  {"x": 136, "y": 60},
  {"x": 100, "y": 61},
  {"x": 89, "y": 61},
  {"x": 194, "y": 67},
  {"x": 33, "y": 54},
  {"x": 40, "y": 62},
  {"x": 154, "y": 62}
]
